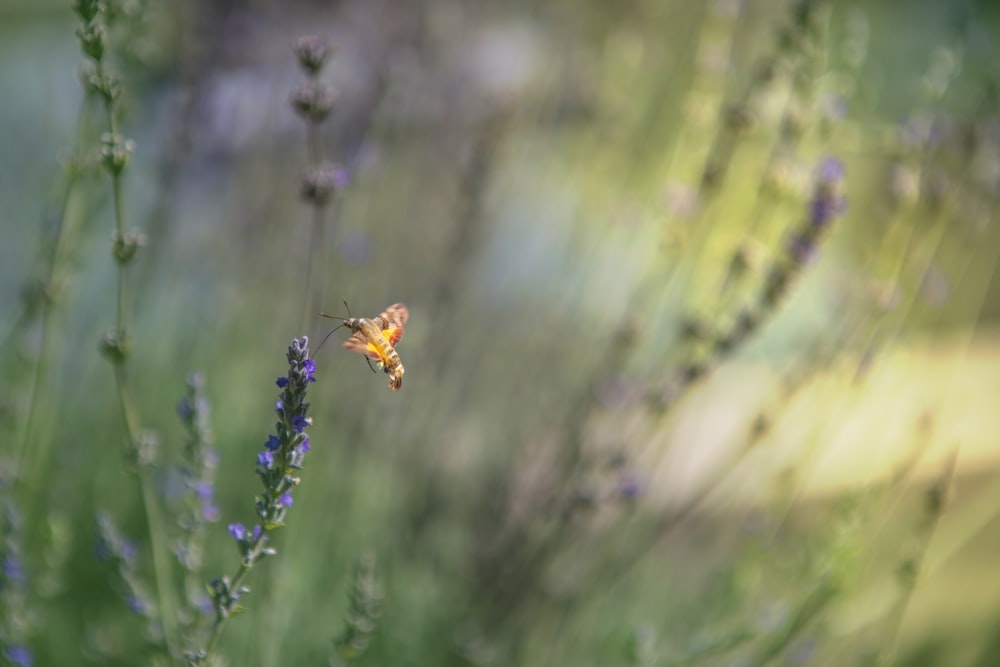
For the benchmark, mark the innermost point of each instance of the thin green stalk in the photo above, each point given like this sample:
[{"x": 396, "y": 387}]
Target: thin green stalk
[
  {"x": 911, "y": 568},
  {"x": 808, "y": 611},
  {"x": 116, "y": 189},
  {"x": 45, "y": 318},
  {"x": 237, "y": 581},
  {"x": 115, "y": 159},
  {"x": 154, "y": 521}
]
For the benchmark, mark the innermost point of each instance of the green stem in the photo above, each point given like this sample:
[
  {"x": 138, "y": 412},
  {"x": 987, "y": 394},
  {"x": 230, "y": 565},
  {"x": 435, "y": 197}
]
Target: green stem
[
  {"x": 120, "y": 230},
  {"x": 890, "y": 650},
  {"x": 160, "y": 566},
  {"x": 234, "y": 586},
  {"x": 42, "y": 364},
  {"x": 154, "y": 523}
]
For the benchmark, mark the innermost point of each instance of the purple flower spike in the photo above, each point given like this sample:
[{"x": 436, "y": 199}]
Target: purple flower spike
[{"x": 276, "y": 467}]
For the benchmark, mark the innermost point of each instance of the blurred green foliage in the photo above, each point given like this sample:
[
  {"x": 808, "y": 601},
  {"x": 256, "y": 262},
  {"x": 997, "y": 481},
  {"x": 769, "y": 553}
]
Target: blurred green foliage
[{"x": 579, "y": 203}]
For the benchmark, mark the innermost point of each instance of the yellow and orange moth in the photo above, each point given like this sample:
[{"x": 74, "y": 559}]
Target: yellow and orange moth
[{"x": 376, "y": 339}]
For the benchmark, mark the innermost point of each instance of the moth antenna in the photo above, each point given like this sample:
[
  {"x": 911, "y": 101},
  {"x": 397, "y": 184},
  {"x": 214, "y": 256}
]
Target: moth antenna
[
  {"x": 348, "y": 308},
  {"x": 339, "y": 326}
]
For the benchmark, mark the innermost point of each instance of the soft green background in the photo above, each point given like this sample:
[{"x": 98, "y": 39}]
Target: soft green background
[{"x": 515, "y": 171}]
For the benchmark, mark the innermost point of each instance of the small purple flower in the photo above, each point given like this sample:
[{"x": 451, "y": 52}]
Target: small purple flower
[
  {"x": 285, "y": 500},
  {"x": 304, "y": 446},
  {"x": 210, "y": 511},
  {"x": 831, "y": 170},
  {"x": 184, "y": 409},
  {"x": 279, "y": 406},
  {"x": 341, "y": 178},
  {"x": 630, "y": 487},
  {"x": 309, "y": 368},
  {"x": 19, "y": 655},
  {"x": 272, "y": 444},
  {"x": 205, "y": 491},
  {"x": 206, "y": 494},
  {"x": 265, "y": 460},
  {"x": 129, "y": 551},
  {"x": 802, "y": 249},
  {"x": 300, "y": 422},
  {"x": 137, "y": 604},
  {"x": 827, "y": 201},
  {"x": 103, "y": 550},
  {"x": 12, "y": 569},
  {"x": 256, "y": 533},
  {"x": 204, "y": 604},
  {"x": 238, "y": 531},
  {"x": 825, "y": 207},
  {"x": 282, "y": 382}
]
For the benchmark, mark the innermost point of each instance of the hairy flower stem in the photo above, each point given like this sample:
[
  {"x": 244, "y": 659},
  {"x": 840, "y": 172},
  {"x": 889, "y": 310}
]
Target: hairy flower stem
[
  {"x": 114, "y": 156},
  {"x": 235, "y": 584}
]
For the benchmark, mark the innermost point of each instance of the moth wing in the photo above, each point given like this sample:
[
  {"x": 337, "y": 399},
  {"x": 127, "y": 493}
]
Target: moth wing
[
  {"x": 391, "y": 321},
  {"x": 358, "y": 343},
  {"x": 395, "y": 315},
  {"x": 393, "y": 335}
]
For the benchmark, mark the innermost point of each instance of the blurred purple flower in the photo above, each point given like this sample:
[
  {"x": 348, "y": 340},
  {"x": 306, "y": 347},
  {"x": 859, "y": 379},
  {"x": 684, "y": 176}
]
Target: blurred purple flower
[
  {"x": 630, "y": 487},
  {"x": 19, "y": 655},
  {"x": 803, "y": 250}
]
